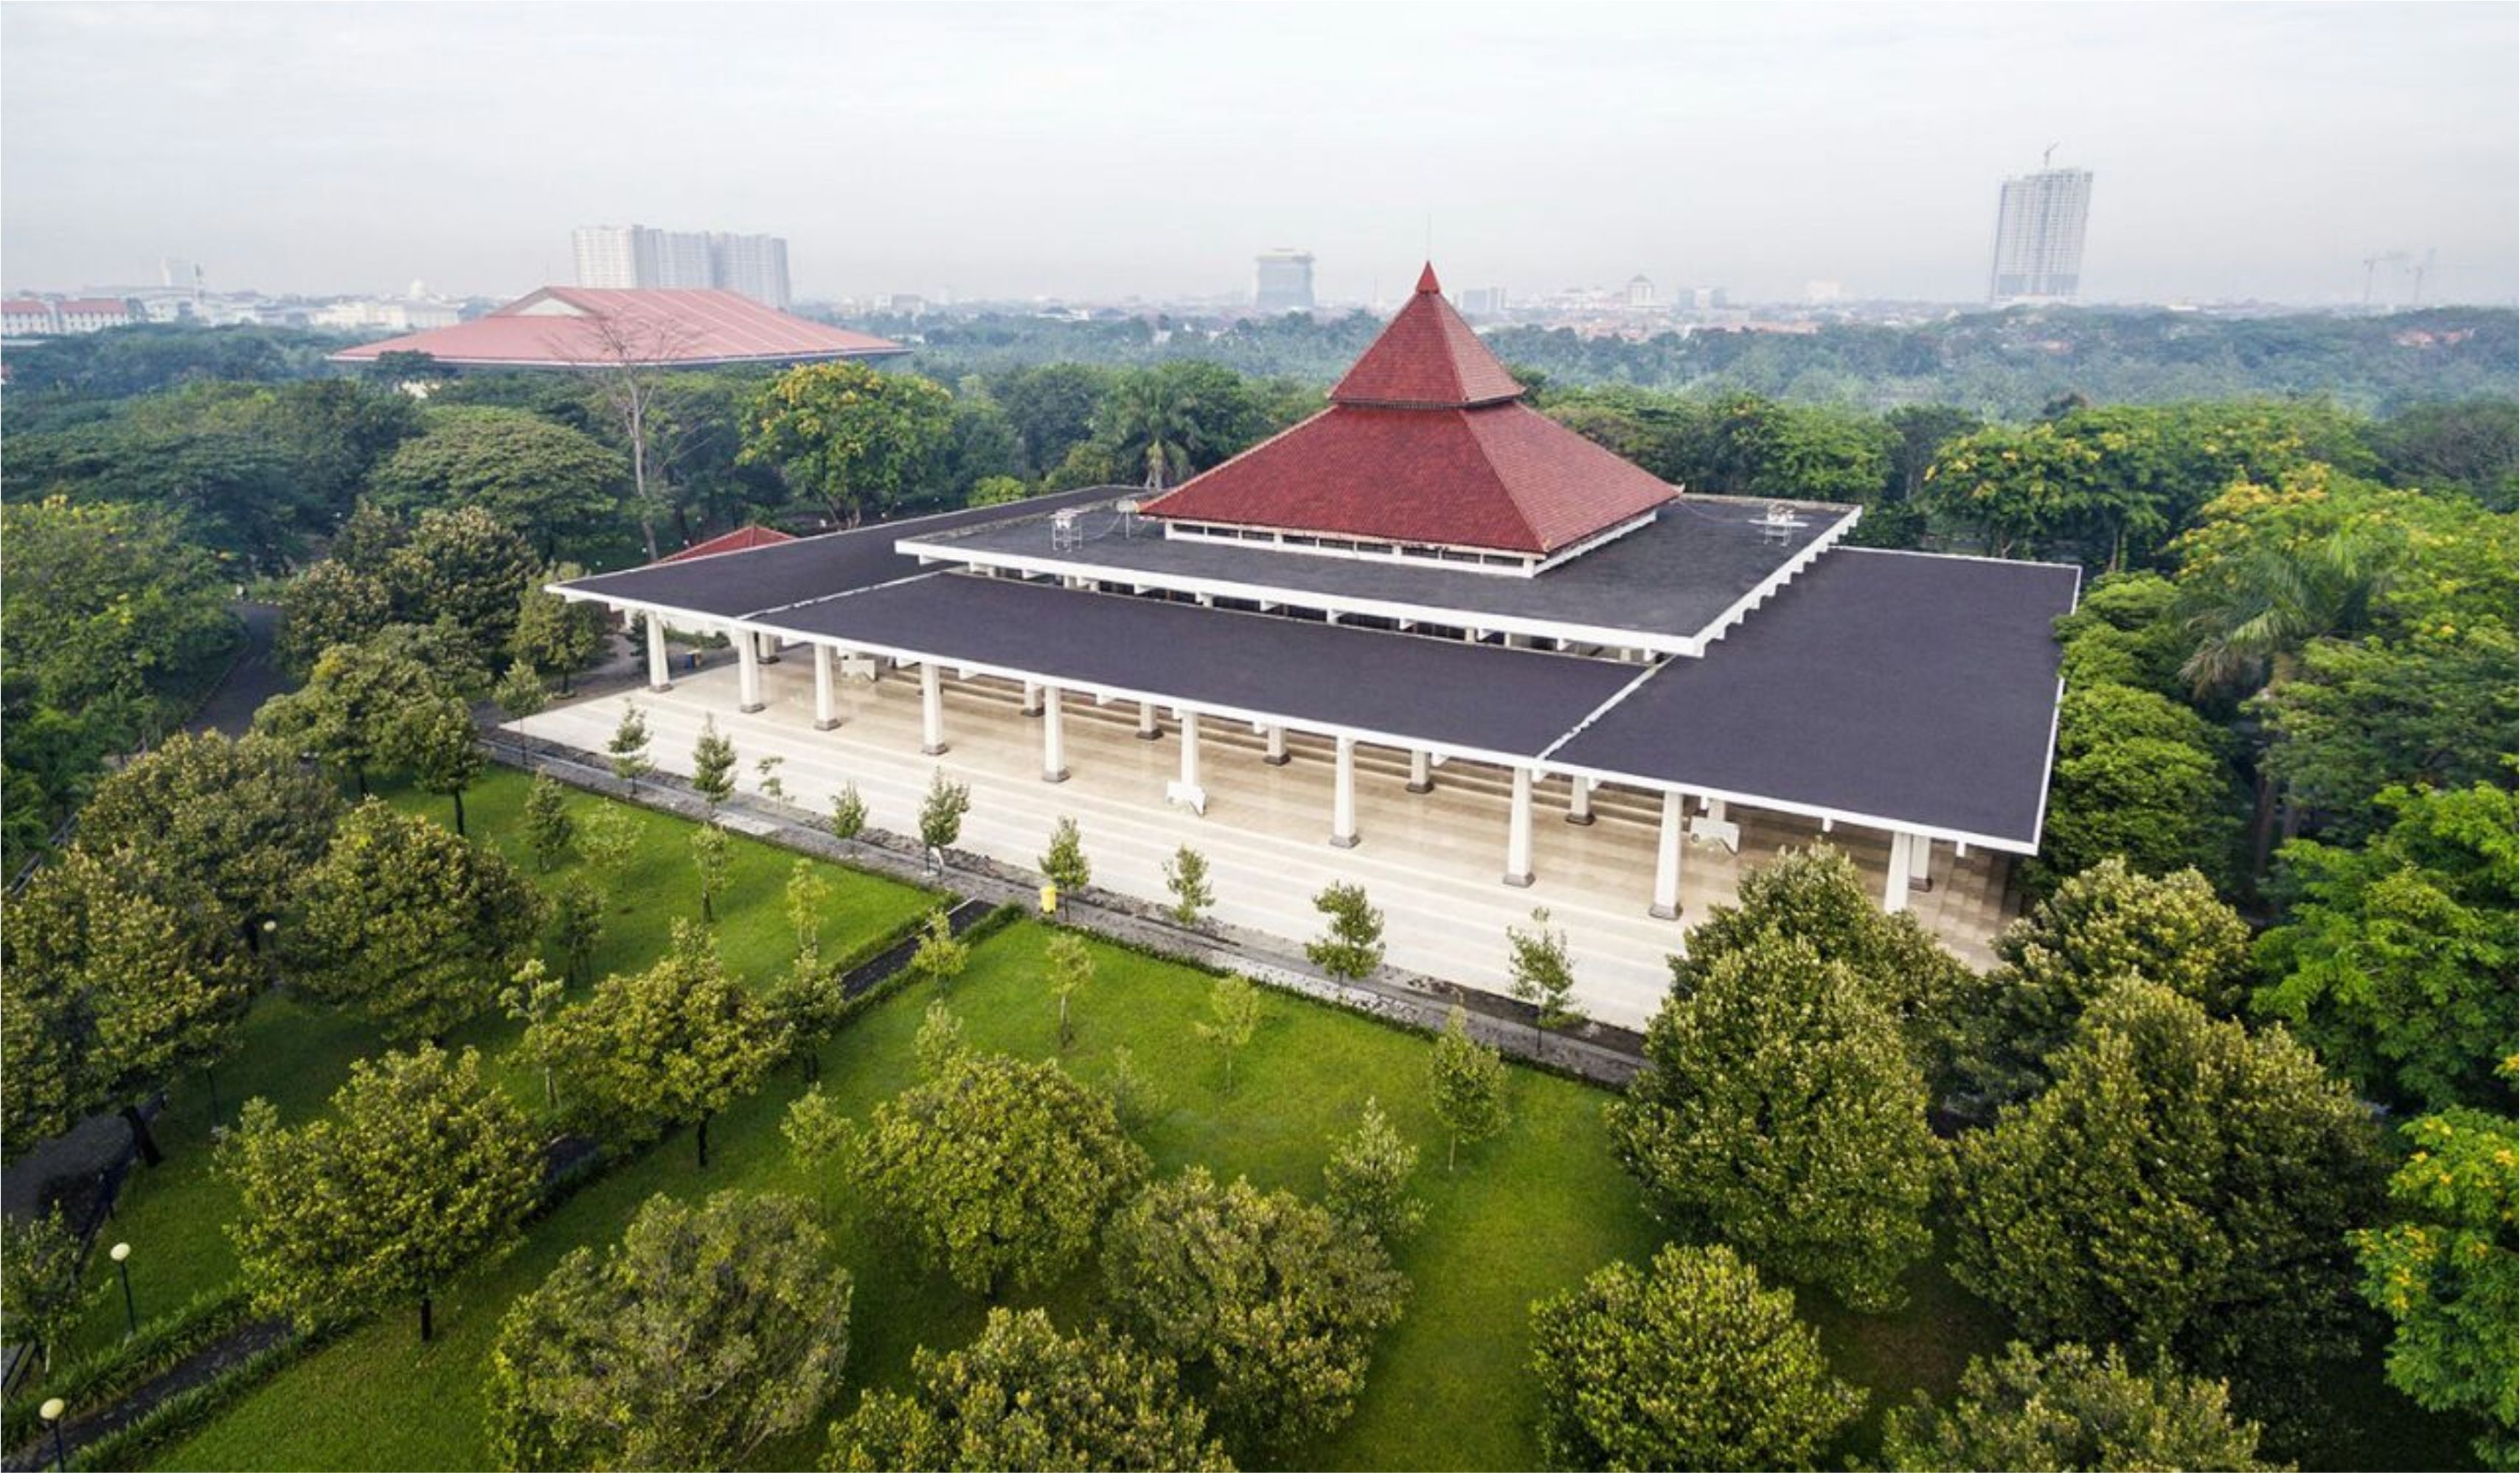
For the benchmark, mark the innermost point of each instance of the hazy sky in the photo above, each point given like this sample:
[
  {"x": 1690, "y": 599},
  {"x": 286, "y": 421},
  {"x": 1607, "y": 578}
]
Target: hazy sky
[{"x": 2249, "y": 150}]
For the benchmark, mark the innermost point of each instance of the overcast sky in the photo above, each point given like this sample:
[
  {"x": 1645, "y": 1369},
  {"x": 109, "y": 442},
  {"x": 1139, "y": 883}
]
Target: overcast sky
[{"x": 2239, "y": 151}]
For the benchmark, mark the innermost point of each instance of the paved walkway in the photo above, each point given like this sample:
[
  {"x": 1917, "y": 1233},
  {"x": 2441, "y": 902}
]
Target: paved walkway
[{"x": 1433, "y": 861}]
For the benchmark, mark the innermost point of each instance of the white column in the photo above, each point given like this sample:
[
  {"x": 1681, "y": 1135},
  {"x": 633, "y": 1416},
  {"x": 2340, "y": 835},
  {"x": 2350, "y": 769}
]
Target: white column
[
  {"x": 931, "y": 709},
  {"x": 1343, "y": 795},
  {"x": 659, "y": 675},
  {"x": 1666, "y": 896},
  {"x": 1277, "y": 757},
  {"x": 748, "y": 672},
  {"x": 826, "y": 703},
  {"x": 1421, "y": 772},
  {"x": 1894, "y": 887},
  {"x": 1147, "y": 730},
  {"x": 1578, "y": 800},
  {"x": 1715, "y": 809},
  {"x": 1054, "y": 737},
  {"x": 1517, "y": 842},
  {"x": 1921, "y": 861},
  {"x": 769, "y": 648},
  {"x": 1189, "y": 792},
  {"x": 1033, "y": 698}
]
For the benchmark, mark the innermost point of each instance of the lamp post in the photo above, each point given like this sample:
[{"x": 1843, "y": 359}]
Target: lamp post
[
  {"x": 120, "y": 1252},
  {"x": 51, "y": 1411}
]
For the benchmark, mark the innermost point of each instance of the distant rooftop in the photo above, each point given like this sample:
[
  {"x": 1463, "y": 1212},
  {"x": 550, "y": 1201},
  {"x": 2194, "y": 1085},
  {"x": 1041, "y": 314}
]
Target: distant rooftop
[{"x": 586, "y": 327}]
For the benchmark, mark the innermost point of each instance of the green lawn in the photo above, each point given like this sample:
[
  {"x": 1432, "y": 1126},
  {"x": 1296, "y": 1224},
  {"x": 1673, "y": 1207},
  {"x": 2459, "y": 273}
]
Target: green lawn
[
  {"x": 1526, "y": 1214},
  {"x": 295, "y": 1055}
]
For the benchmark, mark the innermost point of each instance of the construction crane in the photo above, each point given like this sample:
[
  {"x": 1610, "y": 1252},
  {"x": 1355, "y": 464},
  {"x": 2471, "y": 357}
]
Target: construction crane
[
  {"x": 2422, "y": 269},
  {"x": 2371, "y": 263}
]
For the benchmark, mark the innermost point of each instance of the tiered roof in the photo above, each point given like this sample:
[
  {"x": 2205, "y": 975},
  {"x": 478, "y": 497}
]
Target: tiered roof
[{"x": 1427, "y": 442}]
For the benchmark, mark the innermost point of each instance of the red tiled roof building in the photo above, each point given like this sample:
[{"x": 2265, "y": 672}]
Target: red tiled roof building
[
  {"x": 585, "y": 327},
  {"x": 741, "y": 539},
  {"x": 1426, "y": 443}
]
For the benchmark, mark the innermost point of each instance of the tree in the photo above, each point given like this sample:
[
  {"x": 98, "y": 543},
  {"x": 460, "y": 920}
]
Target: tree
[
  {"x": 110, "y": 986},
  {"x": 940, "y": 956},
  {"x": 678, "y": 1042},
  {"x": 1168, "y": 422},
  {"x": 1064, "y": 864},
  {"x": 557, "y": 486},
  {"x": 940, "y": 812},
  {"x": 548, "y": 827},
  {"x": 847, "y": 436},
  {"x": 2472, "y": 445},
  {"x": 2161, "y": 805},
  {"x": 713, "y": 856},
  {"x": 410, "y": 924},
  {"x": 939, "y": 1044},
  {"x": 848, "y": 812},
  {"x": 809, "y": 894},
  {"x": 2399, "y": 960},
  {"x": 2100, "y": 926},
  {"x": 1260, "y": 1291},
  {"x": 241, "y": 818},
  {"x": 713, "y": 764},
  {"x": 577, "y": 925},
  {"x": 553, "y": 633},
  {"x": 1692, "y": 1363},
  {"x": 106, "y": 605},
  {"x": 703, "y": 1334},
  {"x": 466, "y": 566},
  {"x": 41, "y": 1292},
  {"x": 1185, "y": 876},
  {"x": 352, "y": 713},
  {"x": 770, "y": 785},
  {"x": 628, "y": 746},
  {"x": 419, "y": 1169},
  {"x": 608, "y": 838},
  {"x": 330, "y": 603},
  {"x": 531, "y": 997},
  {"x": 438, "y": 743},
  {"x": 2068, "y": 1408},
  {"x": 521, "y": 692},
  {"x": 2225, "y": 1164},
  {"x": 1052, "y": 409},
  {"x": 1235, "y": 1004},
  {"x": 1352, "y": 946},
  {"x": 1779, "y": 1106},
  {"x": 997, "y": 490},
  {"x": 998, "y": 1172},
  {"x": 1466, "y": 1086},
  {"x": 1366, "y": 1182},
  {"x": 1542, "y": 975},
  {"x": 1817, "y": 895},
  {"x": 1136, "y": 1097},
  {"x": 2447, "y": 1274},
  {"x": 1069, "y": 966},
  {"x": 1021, "y": 1396}
]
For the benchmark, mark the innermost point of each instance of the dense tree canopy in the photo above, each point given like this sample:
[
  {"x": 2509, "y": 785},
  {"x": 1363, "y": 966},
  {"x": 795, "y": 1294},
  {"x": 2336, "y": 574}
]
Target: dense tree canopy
[
  {"x": 2398, "y": 961},
  {"x": 554, "y": 486},
  {"x": 1268, "y": 1295},
  {"x": 1780, "y": 1108},
  {"x": 1025, "y": 1397},
  {"x": 998, "y": 1171},
  {"x": 2069, "y": 1409},
  {"x": 411, "y": 923},
  {"x": 704, "y": 1332},
  {"x": 853, "y": 438},
  {"x": 1691, "y": 1363},
  {"x": 2184, "y": 1187},
  {"x": 419, "y": 1169}
]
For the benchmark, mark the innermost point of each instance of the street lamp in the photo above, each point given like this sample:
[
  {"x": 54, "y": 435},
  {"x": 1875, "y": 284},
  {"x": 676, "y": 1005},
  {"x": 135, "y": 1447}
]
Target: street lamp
[
  {"x": 120, "y": 1252},
  {"x": 51, "y": 1411}
]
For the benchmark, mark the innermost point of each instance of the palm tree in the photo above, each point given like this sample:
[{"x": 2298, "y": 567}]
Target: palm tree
[{"x": 1150, "y": 418}]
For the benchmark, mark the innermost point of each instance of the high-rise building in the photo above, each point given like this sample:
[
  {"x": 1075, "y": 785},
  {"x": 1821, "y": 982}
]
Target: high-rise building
[
  {"x": 1285, "y": 282},
  {"x": 1483, "y": 302},
  {"x": 1641, "y": 295},
  {"x": 635, "y": 255},
  {"x": 755, "y": 265},
  {"x": 2038, "y": 236}
]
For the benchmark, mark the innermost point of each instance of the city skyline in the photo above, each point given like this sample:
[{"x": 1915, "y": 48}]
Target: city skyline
[{"x": 1754, "y": 151}]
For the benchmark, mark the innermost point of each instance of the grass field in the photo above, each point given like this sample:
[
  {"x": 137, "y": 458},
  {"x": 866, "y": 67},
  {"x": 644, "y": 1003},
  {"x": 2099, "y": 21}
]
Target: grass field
[{"x": 1525, "y": 1214}]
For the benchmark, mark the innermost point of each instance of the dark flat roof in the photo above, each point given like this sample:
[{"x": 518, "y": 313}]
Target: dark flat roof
[
  {"x": 1513, "y": 703},
  {"x": 1674, "y": 576},
  {"x": 1901, "y": 686},
  {"x": 731, "y": 585}
]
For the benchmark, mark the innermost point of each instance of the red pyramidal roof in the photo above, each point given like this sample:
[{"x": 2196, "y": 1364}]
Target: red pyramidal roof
[{"x": 1427, "y": 443}]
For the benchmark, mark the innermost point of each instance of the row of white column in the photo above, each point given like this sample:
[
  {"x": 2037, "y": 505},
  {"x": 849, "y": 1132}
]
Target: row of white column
[{"x": 1910, "y": 853}]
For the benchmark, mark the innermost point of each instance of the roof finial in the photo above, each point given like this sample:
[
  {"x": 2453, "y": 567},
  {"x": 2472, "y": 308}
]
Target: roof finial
[{"x": 1428, "y": 286}]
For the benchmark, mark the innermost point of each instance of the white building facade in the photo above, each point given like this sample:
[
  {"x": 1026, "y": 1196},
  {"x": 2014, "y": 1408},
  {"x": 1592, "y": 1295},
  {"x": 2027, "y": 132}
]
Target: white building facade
[{"x": 2038, "y": 225}]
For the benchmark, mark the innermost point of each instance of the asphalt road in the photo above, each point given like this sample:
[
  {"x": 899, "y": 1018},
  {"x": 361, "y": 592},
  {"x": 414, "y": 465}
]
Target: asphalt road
[{"x": 255, "y": 678}]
